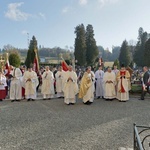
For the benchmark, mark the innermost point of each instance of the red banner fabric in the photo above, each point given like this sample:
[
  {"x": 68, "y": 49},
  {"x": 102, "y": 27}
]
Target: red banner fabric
[{"x": 64, "y": 66}]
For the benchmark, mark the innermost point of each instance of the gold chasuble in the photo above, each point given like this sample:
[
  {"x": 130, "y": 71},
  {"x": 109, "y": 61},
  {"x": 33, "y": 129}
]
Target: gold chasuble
[{"x": 86, "y": 83}]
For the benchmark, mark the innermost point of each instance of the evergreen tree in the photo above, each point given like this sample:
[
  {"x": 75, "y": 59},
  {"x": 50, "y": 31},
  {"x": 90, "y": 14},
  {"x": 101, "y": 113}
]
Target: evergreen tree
[
  {"x": 124, "y": 57},
  {"x": 115, "y": 52},
  {"x": 28, "y": 61},
  {"x": 14, "y": 59},
  {"x": 138, "y": 56},
  {"x": 31, "y": 52},
  {"x": 80, "y": 45},
  {"x": 116, "y": 63},
  {"x": 147, "y": 53},
  {"x": 91, "y": 48}
]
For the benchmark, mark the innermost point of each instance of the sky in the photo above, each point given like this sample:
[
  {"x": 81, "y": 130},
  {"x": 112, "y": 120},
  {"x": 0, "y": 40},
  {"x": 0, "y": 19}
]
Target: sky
[{"x": 53, "y": 22}]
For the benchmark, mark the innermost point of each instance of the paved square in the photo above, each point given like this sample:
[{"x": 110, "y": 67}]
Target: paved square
[{"x": 52, "y": 125}]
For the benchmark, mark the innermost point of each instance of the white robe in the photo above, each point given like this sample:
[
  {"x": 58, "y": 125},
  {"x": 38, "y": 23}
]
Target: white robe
[
  {"x": 15, "y": 85},
  {"x": 115, "y": 71},
  {"x": 123, "y": 96},
  {"x": 3, "y": 83},
  {"x": 59, "y": 83},
  {"x": 109, "y": 88},
  {"x": 99, "y": 82},
  {"x": 47, "y": 84},
  {"x": 90, "y": 92},
  {"x": 70, "y": 87},
  {"x": 30, "y": 86},
  {"x": 125, "y": 83}
]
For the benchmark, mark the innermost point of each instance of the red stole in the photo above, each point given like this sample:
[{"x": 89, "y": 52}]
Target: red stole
[{"x": 122, "y": 73}]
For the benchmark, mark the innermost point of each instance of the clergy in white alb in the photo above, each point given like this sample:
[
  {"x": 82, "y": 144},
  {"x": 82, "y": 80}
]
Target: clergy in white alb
[
  {"x": 109, "y": 84},
  {"x": 99, "y": 82},
  {"x": 47, "y": 88},
  {"x": 3, "y": 85},
  {"x": 59, "y": 82},
  {"x": 70, "y": 86},
  {"x": 15, "y": 84},
  {"x": 31, "y": 82},
  {"x": 123, "y": 78}
]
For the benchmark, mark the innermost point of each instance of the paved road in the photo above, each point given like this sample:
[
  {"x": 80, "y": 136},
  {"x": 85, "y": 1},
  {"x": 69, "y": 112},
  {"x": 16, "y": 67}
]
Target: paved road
[{"x": 52, "y": 125}]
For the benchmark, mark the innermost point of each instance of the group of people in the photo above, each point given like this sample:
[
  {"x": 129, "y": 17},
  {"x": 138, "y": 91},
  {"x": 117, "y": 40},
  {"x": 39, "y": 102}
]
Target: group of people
[{"x": 109, "y": 85}]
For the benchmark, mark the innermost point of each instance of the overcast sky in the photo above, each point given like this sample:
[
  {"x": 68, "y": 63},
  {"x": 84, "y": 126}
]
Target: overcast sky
[{"x": 53, "y": 21}]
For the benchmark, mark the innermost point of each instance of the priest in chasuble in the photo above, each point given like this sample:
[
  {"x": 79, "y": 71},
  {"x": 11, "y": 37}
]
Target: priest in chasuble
[{"x": 123, "y": 77}]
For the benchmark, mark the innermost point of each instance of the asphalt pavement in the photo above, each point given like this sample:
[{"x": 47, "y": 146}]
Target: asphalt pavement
[{"x": 52, "y": 125}]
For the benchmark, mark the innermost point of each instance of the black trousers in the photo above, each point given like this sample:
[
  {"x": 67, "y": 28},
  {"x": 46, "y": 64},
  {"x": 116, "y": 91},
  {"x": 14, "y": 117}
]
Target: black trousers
[{"x": 144, "y": 92}]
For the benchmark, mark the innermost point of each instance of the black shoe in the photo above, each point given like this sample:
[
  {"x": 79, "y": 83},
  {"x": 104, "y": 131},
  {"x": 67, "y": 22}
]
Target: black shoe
[
  {"x": 102, "y": 97},
  {"x": 141, "y": 99},
  {"x": 32, "y": 99},
  {"x": 12, "y": 100},
  {"x": 17, "y": 100},
  {"x": 44, "y": 99},
  {"x": 98, "y": 97},
  {"x": 28, "y": 99},
  {"x": 1, "y": 100},
  {"x": 49, "y": 99},
  {"x": 107, "y": 99},
  {"x": 72, "y": 103},
  {"x": 90, "y": 103},
  {"x": 87, "y": 103}
]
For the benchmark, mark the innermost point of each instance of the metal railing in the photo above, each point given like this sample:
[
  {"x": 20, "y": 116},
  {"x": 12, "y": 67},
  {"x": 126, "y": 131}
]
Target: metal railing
[{"x": 141, "y": 137}]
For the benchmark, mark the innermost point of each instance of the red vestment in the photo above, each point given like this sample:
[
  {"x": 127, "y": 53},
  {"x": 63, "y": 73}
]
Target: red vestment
[{"x": 122, "y": 73}]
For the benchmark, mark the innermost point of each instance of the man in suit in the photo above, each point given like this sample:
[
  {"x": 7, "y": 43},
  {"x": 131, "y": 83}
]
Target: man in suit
[{"x": 145, "y": 83}]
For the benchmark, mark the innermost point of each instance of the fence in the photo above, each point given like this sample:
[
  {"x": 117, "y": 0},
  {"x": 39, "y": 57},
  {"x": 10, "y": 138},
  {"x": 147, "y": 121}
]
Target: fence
[{"x": 141, "y": 137}]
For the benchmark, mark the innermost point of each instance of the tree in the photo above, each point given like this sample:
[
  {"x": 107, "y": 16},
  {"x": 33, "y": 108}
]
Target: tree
[
  {"x": 8, "y": 47},
  {"x": 31, "y": 52},
  {"x": 138, "y": 55},
  {"x": 116, "y": 63},
  {"x": 147, "y": 53},
  {"x": 124, "y": 57},
  {"x": 14, "y": 59},
  {"x": 91, "y": 48},
  {"x": 101, "y": 51},
  {"x": 80, "y": 45},
  {"x": 115, "y": 52}
]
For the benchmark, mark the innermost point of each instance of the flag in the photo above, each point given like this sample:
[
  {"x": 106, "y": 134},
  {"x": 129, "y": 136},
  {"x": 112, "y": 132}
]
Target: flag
[
  {"x": 36, "y": 63},
  {"x": 101, "y": 61},
  {"x": 7, "y": 66},
  {"x": 64, "y": 65}
]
